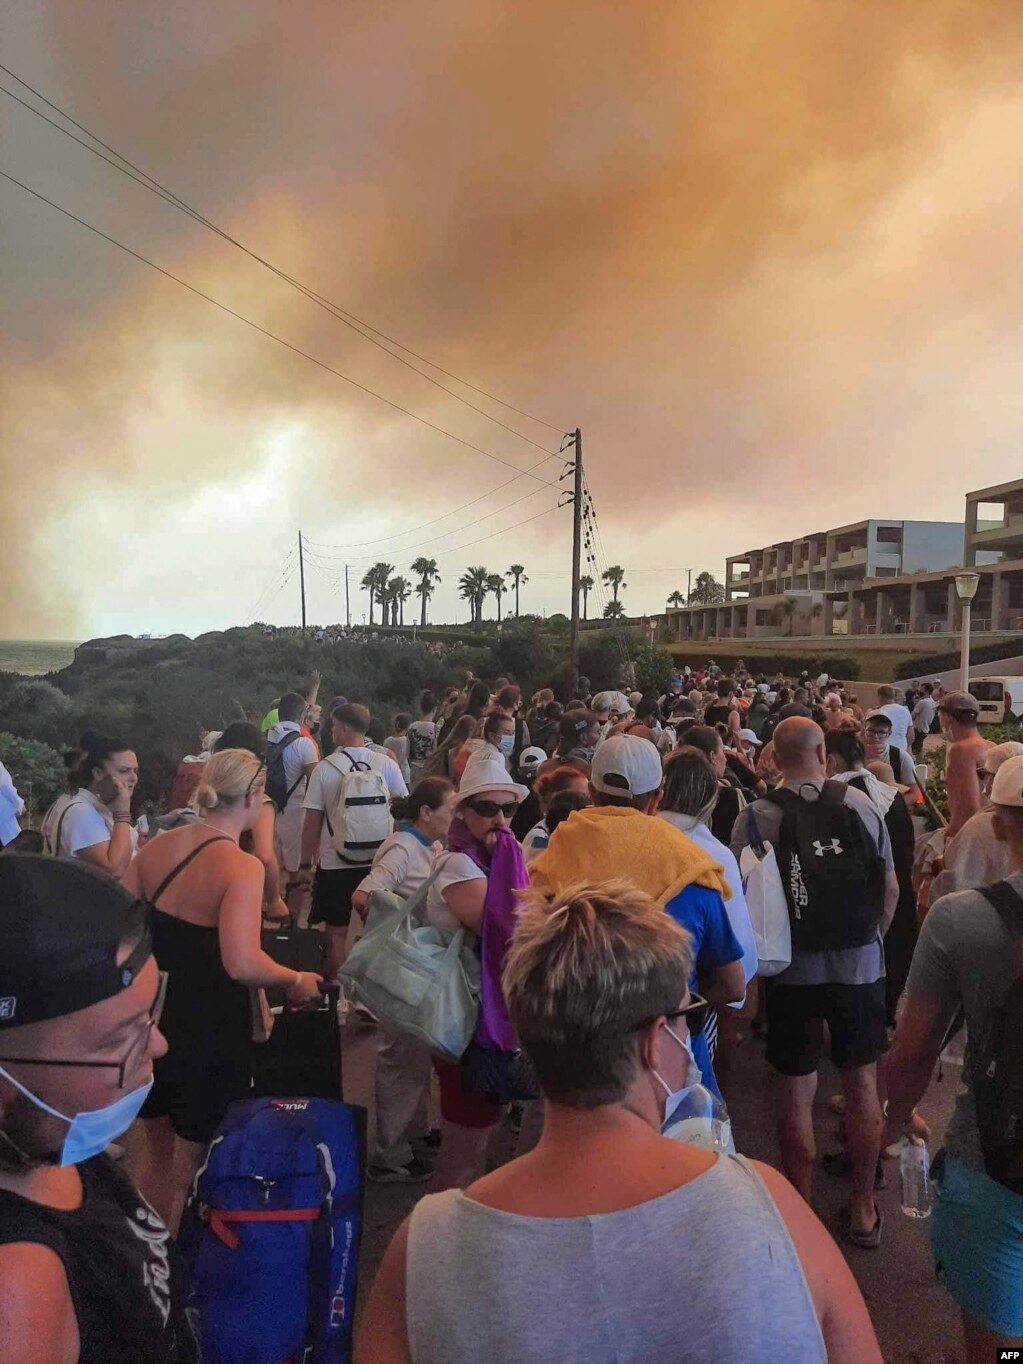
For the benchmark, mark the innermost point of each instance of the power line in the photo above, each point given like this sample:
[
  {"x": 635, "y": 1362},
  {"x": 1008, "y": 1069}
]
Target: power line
[
  {"x": 341, "y": 556},
  {"x": 356, "y": 324},
  {"x": 271, "y": 335},
  {"x": 360, "y": 544}
]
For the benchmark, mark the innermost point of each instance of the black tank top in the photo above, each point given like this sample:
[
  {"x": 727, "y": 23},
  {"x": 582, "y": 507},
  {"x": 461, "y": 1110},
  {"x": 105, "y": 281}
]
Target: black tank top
[
  {"x": 126, "y": 1280},
  {"x": 206, "y": 1013}
]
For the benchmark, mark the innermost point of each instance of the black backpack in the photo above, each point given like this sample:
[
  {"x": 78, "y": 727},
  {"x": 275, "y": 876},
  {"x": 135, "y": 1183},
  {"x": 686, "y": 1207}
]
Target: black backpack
[
  {"x": 996, "y": 1061},
  {"x": 276, "y": 781},
  {"x": 834, "y": 877}
]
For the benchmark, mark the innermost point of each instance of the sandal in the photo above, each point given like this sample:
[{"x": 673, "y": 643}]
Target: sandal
[{"x": 867, "y": 1240}]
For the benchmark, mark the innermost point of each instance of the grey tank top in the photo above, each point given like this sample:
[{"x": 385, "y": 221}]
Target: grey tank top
[{"x": 706, "y": 1274}]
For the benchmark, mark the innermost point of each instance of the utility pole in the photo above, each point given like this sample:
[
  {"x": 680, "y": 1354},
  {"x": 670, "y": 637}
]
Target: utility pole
[
  {"x": 577, "y": 544},
  {"x": 689, "y": 585},
  {"x": 348, "y": 601},
  {"x": 301, "y": 577}
]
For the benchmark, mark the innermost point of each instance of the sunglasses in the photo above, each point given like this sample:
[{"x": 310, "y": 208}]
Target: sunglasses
[
  {"x": 695, "y": 1014},
  {"x": 489, "y": 809},
  {"x": 259, "y": 772},
  {"x": 133, "y": 1057}
]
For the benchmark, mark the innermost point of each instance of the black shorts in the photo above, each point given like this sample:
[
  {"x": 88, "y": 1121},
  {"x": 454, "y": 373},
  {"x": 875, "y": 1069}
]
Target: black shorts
[
  {"x": 796, "y": 1014},
  {"x": 195, "y": 1094},
  {"x": 332, "y": 895}
]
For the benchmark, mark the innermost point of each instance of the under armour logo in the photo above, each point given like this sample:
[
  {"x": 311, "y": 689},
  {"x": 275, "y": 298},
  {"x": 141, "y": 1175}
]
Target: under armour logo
[{"x": 821, "y": 848}]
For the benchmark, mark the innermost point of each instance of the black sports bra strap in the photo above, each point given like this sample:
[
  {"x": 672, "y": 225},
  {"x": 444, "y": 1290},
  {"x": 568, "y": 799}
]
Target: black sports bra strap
[{"x": 180, "y": 867}]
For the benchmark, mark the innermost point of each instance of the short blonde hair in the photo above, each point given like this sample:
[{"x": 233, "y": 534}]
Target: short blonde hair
[
  {"x": 227, "y": 777},
  {"x": 587, "y": 969}
]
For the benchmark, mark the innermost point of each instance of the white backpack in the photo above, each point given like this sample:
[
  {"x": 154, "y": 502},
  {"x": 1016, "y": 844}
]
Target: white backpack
[{"x": 360, "y": 818}]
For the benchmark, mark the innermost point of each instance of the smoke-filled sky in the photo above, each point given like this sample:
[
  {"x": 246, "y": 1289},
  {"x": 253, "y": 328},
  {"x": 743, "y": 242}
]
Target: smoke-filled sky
[{"x": 766, "y": 255}]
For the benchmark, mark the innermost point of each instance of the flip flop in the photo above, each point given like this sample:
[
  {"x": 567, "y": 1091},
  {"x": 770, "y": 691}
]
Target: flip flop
[{"x": 867, "y": 1240}]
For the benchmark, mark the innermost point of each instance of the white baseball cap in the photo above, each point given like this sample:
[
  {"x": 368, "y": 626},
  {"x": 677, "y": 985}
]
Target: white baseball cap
[
  {"x": 620, "y": 704},
  {"x": 602, "y": 701},
  {"x": 532, "y": 757},
  {"x": 748, "y": 737},
  {"x": 1007, "y": 787},
  {"x": 626, "y": 765}
]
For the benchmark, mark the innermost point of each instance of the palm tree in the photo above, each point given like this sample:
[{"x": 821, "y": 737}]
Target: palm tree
[
  {"x": 586, "y": 585},
  {"x": 615, "y": 578},
  {"x": 676, "y": 599},
  {"x": 495, "y": 584},
  {"x": 369, "y": 582},
  {"x": 473, "y": 585},
  {"x": 614, "y": 610},
  {"x": 426, "y": 571},
  {"x": 379, "y": 574},
  {"x": 398, "y": 592},
  {"x": 517, "y": 573}
]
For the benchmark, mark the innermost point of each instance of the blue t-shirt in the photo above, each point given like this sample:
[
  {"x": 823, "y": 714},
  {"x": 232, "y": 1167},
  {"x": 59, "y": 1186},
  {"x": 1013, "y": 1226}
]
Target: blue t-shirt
[{"x": 702, "y": 913}]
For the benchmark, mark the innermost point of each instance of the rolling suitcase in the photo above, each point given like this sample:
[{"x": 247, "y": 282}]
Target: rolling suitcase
[{"x": 303, "y": 1055}]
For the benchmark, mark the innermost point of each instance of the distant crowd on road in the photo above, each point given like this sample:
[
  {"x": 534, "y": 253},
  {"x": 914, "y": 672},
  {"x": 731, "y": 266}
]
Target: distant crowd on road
[{"x": 634, "y": 883}]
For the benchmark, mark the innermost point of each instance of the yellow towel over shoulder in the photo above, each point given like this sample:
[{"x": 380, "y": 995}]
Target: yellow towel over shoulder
[{"x": 610, "y": 841}]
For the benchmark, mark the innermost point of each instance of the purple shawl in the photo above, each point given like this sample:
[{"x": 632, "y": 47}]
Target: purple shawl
[{"x": 506, "y": 873}]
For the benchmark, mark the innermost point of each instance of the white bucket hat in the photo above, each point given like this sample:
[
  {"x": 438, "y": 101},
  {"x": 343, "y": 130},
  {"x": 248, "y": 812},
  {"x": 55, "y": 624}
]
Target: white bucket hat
[{"x": 487, "y": 774}]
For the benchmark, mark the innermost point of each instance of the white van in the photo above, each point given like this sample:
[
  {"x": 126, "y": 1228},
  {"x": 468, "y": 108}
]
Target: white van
[{"x": 1001, "y": 699}]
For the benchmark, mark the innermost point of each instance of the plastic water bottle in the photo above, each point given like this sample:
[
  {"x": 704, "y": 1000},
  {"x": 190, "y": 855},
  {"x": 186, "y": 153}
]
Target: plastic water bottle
[
  {"x": 701, "y": 1119},
  {"x": 915, "y": 1169}
]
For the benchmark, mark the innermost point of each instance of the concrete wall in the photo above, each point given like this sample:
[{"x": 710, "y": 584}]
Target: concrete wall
[{"x": 931, "y": 545}]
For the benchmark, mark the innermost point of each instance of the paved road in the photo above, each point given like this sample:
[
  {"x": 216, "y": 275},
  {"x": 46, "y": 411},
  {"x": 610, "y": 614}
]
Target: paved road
[{"x": 915, "y": 1320}]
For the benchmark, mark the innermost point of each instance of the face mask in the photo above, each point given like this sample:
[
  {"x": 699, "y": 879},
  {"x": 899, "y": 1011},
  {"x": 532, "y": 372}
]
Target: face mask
[
  {"x": 693, "y": 1077},
  {"x": 507, "y": 743},
  {"x": 90, "y": 1133}
]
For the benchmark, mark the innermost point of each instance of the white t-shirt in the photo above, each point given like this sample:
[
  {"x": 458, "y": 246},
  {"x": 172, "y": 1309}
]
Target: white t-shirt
[
  {"x": 902, "y": 723},
  {"x": 88, "y": 821},
  {"x": 398, "y": 746},
  {"x": 401, "y": 864},
  {"x": 451, "y": 867},
  {"x": 11, "y": 806},
  {"x": 923, "y": 714},
  {"x": 325, "y": 784},
  {"x": 535, "y": 842},
  {"x": 299, "y": 754}
]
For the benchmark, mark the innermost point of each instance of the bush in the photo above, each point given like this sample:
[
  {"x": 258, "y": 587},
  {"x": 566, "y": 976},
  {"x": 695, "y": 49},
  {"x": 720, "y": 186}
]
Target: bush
[
  {"x": 922, "y": 664},
  {"x": 654, "y": 668},
  {"x": 38, "y": 770}
]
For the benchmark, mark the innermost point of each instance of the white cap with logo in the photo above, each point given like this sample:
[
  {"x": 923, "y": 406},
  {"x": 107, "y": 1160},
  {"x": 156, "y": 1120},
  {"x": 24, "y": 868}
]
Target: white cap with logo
[{"x": 626, "y": 765}]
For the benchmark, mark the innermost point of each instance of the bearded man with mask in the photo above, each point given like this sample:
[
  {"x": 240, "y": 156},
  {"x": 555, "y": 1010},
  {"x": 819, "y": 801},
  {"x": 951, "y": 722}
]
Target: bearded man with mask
[{"x": 87, "y": 1270}]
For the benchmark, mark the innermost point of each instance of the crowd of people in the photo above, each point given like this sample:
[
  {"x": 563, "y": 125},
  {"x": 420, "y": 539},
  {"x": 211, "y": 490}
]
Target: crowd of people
[{"x": 587, "y": 852}]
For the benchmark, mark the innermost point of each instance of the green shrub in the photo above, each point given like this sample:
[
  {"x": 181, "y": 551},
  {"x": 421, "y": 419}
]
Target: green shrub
[
  {"x": 922, "y": 664},
  {"x": 654, "y": 667},
  {"x": 38, "y": 770}
]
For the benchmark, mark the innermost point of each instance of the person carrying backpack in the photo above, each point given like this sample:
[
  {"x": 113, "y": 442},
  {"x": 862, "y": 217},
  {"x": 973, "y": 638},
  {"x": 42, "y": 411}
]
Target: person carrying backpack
[
  {"x": 290, "y": 759},
  {"x": 835, "y": 860},
  {"x": 347, "y": 817},
  {"x": 968, "y": 964}
]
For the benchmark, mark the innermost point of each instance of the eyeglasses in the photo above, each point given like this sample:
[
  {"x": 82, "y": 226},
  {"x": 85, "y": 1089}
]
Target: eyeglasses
[
  {"x": 132, "y": 1058},
  {"x": 489, "y": 809}
]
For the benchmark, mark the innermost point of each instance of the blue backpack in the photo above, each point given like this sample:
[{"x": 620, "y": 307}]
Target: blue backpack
[{"x": 271, "y": 1233}]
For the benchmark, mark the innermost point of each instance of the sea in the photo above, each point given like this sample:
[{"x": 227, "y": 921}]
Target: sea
[{"x": 33, "y": 657}]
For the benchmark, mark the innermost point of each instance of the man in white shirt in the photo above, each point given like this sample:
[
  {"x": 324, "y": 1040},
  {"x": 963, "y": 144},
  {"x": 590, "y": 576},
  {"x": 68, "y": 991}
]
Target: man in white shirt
[
  {"x": 335, "y": 880},
  {"x": 299, "y": 756},
  {"x": 902, "y": 721},
  {"x": 923, "y": 715}
]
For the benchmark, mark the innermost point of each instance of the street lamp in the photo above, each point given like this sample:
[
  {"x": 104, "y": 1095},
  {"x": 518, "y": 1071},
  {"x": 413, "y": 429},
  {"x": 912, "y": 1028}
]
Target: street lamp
[{"x": 966, "y": 586}]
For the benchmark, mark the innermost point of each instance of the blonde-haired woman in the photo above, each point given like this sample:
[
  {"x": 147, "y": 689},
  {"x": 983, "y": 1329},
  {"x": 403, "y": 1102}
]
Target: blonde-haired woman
[
  {"x": 609, "y": 1242},
  {"x": 207, "y": 898}
]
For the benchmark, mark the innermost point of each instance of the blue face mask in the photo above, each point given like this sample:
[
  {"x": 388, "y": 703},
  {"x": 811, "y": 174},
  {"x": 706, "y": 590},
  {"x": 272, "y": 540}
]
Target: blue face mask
[
  {"x": 90, "y": 1133},
  {"x": 508, "y": 743}
]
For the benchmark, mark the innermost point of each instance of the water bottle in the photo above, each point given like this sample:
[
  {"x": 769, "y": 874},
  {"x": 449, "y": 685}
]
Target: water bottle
[
  {"x": 701, "y": 1119},
  {"x": 915, "y": 1169}
]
